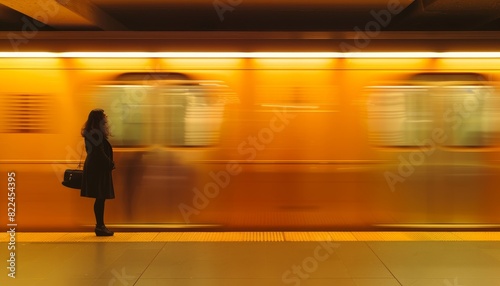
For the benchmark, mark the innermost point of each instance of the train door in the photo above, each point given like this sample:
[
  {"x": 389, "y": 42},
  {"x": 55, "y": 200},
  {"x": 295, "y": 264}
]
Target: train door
[
  {"x": 460, "y": 168},
  {"x": 160, "y": 129},
  {"x": 435, "y": 133}
]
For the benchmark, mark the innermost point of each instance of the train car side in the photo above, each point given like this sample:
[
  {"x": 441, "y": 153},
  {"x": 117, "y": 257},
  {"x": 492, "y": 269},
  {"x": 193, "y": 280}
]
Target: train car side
[{"x": 294, "y": 149}]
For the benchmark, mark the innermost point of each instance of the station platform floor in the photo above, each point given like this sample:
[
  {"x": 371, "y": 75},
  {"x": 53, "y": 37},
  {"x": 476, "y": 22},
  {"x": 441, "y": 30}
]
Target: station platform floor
[{"x": 253, "y": 258}]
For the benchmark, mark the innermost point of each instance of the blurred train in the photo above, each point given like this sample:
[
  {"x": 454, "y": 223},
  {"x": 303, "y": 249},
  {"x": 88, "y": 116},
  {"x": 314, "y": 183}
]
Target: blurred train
[{"x": 258, "y": 142}]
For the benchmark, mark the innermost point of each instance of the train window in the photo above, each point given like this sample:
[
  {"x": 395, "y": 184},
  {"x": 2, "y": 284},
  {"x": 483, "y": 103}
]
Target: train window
[
  {"x": 398, "y": 116},
  {"x": 462, "y": 99},
  {"x": 128, "y": 111},
  {"x": 193, "y": 116},
  {"x": 461, "y": 106},
  {"x": 465, "y": 115},
  {"x": 171, "y": 113}
]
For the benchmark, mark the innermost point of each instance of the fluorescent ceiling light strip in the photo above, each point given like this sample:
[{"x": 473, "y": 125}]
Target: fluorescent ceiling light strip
[
  {"x": 389, "y": 55},
  {"x": 201, "y": 55},
  {"x": 317, "y": 55},
  {"x": 484, "y": 55},
  {"x": 27, "y": 55},
  {"x": 264, "y": 55}
]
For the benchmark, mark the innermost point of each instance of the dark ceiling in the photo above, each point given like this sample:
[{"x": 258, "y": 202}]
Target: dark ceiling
[{"x": 250, "y": 15}]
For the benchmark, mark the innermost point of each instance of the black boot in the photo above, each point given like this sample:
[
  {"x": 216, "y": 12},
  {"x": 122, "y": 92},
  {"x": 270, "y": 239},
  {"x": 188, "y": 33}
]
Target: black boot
[{"x": 103, "y": 231}]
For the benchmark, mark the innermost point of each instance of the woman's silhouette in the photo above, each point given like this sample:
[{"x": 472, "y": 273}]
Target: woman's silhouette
[{"x": 97, "y": 179}]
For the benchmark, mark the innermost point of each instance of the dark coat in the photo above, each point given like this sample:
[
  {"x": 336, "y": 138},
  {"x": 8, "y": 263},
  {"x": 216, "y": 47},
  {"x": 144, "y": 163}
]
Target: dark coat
[{"x": 97, "y": 179}]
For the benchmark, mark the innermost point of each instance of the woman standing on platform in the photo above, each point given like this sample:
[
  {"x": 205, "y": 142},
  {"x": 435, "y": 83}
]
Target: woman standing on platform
[{"x": 97, "y": 180}]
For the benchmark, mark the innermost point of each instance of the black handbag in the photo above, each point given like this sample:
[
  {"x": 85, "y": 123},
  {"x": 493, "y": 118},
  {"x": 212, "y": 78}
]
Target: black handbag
[{"x": 73, "y": 177}]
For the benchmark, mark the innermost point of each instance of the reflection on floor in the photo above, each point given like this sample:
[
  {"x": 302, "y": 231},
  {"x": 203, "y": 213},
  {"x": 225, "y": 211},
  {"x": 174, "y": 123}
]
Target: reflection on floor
[{"x": 255, "y": 258}]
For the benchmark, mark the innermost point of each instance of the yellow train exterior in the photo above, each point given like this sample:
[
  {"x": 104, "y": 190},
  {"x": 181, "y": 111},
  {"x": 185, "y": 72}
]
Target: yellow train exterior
[{"x": 258, "y": 143}]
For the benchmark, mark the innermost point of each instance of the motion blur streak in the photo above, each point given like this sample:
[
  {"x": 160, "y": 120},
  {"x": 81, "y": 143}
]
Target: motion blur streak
[{"x": 376, "y": 138}]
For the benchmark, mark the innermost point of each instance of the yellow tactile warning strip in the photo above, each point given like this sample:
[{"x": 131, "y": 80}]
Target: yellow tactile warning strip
[
  {"x": 308, "y": 236},
  {"x": 221, "y": 236},
  {"x": 27, "y": 237},
  {"x": 480, "y": 236}
]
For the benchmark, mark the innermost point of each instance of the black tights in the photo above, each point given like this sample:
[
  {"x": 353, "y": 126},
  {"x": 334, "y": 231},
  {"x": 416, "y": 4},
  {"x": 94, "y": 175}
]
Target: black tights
[{"x": 99, "y": 211}]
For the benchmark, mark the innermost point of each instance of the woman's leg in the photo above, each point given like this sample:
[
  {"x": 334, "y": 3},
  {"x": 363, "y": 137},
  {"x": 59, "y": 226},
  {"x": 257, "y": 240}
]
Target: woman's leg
[
  {"x": 100, "y": 229},
  {"x": 99, "y": 211}
]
